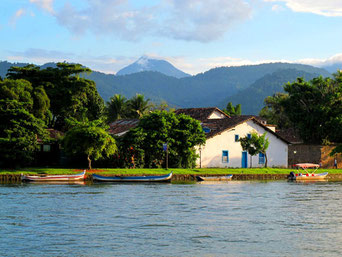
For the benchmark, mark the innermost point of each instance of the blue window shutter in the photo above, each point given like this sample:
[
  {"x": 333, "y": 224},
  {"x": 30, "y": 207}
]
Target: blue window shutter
[
  {"x": 249, "y": 136},
  {"x": 237, "y": 138},
  {"x": 225, "y": 156}
]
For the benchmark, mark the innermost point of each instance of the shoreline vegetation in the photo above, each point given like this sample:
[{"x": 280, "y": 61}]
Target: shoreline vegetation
[{"x": 176, "y": 171}]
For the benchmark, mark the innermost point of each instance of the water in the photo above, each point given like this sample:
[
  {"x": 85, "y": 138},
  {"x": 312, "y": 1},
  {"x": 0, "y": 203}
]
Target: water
[{"x": 223, "y": 219}]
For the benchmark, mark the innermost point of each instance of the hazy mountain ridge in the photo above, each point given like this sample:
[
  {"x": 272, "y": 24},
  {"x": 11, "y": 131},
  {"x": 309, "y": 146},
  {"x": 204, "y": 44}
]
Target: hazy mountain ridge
[
  {"x": 266, "y": 86},
  {"x": 211, "y": 88}
]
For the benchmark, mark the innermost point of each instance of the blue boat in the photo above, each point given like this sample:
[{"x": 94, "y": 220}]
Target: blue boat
[{"x": 163, "y": 178}]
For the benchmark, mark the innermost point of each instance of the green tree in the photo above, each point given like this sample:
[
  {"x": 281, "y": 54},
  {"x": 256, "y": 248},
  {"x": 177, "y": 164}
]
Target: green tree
[
  {"x": 231, "y": 110},
  {"x": 71, "y": 96},
  {"x": 116, "y": 108},
  {"x": 313, "y": 107},
  {"x": 255, "y": 144},
  {"x": 90, "y": 139},
  {"x": 180, "y": 132},
  {"x": 19, "y": 128},
  {"x": 274, "y": 111},
  {"x": 138, "y": 106}
]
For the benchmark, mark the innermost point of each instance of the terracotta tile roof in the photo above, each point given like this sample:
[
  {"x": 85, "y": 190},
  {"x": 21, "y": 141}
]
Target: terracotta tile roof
[
  {"x": 200, "y": 114},
  {"x": 220, "y": 125},
  {"x": 123, "y": 125}
]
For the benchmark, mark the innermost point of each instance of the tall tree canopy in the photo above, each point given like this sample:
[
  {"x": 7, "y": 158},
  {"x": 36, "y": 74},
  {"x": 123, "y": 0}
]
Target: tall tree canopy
[
  {"x": 90, "y": 139},
  {"x": 231, "y": 110},
  {"x": 138, "y": 106},
  {"x": 313, "y": 107},
  {"x": 70, "y": 95},
  {"x": 180, "y": 132},
  {"x": 116, "y": 108},
  {"x": 21, "y": 110}
]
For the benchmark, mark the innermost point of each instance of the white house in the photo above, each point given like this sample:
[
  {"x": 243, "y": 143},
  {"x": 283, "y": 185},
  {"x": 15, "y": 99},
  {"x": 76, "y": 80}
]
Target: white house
[{"x": 222, "y": 148}]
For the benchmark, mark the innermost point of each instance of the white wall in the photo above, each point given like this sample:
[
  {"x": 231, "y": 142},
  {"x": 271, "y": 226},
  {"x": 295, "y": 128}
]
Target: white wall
[{"x": 211, "y": 153}]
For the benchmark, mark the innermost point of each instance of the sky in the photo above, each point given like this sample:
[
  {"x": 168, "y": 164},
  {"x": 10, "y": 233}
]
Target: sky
[{"x": 194, "y": 35}]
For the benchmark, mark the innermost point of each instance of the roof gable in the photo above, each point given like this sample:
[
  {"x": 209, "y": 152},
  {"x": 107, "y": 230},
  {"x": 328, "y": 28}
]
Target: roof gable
[{"x": 203, "y": 114}]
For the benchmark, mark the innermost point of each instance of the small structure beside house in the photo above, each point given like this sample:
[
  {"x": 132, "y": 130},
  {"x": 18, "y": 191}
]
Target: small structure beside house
[
  {"x": 49, "y": 153},
  {"x": 223, "y": 149}
]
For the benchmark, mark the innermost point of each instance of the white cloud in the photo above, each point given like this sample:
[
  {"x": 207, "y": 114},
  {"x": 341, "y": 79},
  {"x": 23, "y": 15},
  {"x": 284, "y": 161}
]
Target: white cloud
[
  {"x": 47, "y": 5},
  {"x": 337, "y": 58},
  {"x": 320, "y": 7},
  {"x": 202, "y": 21},
  {"x": 19, "y": 13}
]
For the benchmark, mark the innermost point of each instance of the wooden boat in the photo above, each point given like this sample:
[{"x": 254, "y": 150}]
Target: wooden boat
[
  {"x": 214, "y": 178},
  {"x": 49, "y": 178},
  {"x": 307, "y": 175},
  {"x": 163, "y": 178}
]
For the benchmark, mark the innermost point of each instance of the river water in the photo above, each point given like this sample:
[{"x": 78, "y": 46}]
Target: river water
[{"x": 218, "y": 219}]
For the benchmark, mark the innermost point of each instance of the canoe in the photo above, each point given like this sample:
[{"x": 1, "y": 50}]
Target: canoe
[
  {"x": 163, "y": 178},
  {"x": 214, "y": 178},
  {"x": 308, "y": 176},
  {"x": 49, "y": 178}
]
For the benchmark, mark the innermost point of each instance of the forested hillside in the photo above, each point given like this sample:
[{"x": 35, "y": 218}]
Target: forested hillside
[{"x": 211, "y": 88}]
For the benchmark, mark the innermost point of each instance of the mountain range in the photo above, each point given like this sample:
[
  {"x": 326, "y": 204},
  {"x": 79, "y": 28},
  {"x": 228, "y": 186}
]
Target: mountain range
[{"x": 247, "y": 85}]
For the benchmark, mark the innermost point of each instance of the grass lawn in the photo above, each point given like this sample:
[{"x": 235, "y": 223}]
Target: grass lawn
[{"x": 218, "y": 171}]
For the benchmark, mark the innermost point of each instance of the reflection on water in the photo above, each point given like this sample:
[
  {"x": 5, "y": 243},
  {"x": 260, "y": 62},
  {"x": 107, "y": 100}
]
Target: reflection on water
[{"x": 208, "y": 219}]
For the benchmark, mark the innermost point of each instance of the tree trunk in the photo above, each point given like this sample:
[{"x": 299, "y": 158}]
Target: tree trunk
[
  {"x": 89, "y": 162},
  {"x": 251, "y": 165},
  {"x": 265, "y": 160}
]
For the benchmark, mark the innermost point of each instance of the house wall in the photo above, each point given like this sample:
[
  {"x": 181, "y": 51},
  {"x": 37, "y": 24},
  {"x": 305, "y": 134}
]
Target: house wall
[
  {"x": 216, "y": 115},
  {"x": 211, "y": 153}
]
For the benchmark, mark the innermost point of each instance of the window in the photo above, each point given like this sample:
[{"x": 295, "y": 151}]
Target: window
[
  {"x": 225, "y": 156},
  {"x": 261, "y": 158},
  {"x": 237, "y": 138},
  {"x": 46, "y": 148},
  {"x": 249, "y": 136},
  {"x": 206, "y": 130}
]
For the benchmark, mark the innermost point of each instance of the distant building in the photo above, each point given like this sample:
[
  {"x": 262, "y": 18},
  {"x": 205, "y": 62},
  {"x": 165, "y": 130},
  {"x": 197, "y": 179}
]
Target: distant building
[{"x": 122, "y": 126}]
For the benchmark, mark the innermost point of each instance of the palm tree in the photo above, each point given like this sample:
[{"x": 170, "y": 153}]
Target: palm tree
[
  {"x": 139, "y": 106},
  {"x": 116, "y": 108}
]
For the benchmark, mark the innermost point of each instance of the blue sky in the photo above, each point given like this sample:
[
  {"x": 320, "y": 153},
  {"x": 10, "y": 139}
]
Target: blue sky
[{"x": 193, "y": 35}]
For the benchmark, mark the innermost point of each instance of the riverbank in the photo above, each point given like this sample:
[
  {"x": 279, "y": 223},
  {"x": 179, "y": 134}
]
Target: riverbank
[
  {"x": 179, "y": 174},
  {"x": 195, "y": 172}
]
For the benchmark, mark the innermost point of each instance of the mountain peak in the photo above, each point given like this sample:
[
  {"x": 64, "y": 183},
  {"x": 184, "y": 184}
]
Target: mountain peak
[{"x": 145, "y": 63}]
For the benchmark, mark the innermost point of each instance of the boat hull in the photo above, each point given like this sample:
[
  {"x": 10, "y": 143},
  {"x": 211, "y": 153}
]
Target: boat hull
[
  {"x": 163, "y": 178},
  {"x": 214, "y": 178},
  {"x": 53, "y": 178},
  {"x": 311, "y": 177}
]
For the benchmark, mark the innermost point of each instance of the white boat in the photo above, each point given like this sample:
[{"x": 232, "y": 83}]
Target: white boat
[
  {"x": 307, "y": 175},
  {"x": 214, "y": 178},
  {"x": 49, "y": 178}
]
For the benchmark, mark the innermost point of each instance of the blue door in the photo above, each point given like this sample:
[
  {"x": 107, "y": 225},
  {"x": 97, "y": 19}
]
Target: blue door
[{"x": 244, "y": 163}]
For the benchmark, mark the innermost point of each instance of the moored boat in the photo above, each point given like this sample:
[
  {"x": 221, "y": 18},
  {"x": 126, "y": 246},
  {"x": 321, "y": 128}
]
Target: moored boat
[
  {"x": 163, "y": 178},
  {"x": 214, "y": 178},
  {"x": 307, "y": 175},
  {"x": 48, "y": 178}
]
